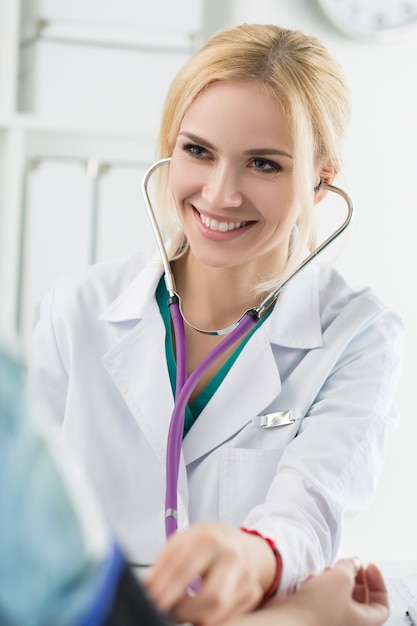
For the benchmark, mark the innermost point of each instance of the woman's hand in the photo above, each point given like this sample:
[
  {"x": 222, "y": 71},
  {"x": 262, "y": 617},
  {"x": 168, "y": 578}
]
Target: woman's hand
[{"x": 232, "y": 570}]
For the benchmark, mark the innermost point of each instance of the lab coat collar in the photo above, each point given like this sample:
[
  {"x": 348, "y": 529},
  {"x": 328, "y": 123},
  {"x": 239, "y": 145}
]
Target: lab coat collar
[
  {"x": 294, "y": 323},
  {"x": 138, "y": 299}
]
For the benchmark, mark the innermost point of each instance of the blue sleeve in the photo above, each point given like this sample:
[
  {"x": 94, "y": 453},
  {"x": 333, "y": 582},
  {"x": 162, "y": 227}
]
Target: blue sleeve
[{"x": 59, "y": 564}]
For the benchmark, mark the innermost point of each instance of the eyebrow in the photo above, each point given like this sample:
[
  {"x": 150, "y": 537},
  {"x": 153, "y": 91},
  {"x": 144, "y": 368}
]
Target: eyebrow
[{"x": 252, "y": 152}]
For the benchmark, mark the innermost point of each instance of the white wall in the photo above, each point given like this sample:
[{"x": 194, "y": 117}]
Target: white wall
[
  {"x": 381, "y": 251},
  {"x": 80, "y": 104}
]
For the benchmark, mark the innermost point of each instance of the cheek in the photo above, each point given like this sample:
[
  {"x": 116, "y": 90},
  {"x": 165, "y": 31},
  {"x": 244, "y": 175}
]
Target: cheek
[
  {"x": 181, "y": 178},
  {"x": 279, "y": 206},
  {"x": 175, "y": 177}
]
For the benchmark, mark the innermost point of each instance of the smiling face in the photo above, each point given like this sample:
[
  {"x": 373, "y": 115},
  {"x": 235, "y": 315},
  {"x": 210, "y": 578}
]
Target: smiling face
[{"x": 232, "y": 178}]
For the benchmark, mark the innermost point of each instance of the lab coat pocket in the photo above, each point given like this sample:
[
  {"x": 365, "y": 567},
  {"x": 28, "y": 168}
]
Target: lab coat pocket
[{"x": 246, "y": 475}]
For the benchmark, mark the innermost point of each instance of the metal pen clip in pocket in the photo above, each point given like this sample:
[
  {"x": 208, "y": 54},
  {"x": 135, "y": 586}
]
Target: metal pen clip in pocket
[{"x": 272, "y": 420}]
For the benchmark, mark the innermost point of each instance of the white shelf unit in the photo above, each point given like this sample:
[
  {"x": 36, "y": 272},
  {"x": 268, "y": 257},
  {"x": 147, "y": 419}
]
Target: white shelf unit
[{"x": 82, "y": 86}]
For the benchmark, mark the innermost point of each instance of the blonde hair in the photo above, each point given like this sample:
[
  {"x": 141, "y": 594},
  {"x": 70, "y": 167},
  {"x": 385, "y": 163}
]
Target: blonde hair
[{"x": 308, "y": 83}]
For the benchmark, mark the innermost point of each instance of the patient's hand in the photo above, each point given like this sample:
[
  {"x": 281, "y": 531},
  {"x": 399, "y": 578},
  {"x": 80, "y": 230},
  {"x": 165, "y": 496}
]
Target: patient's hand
[{"x": 346, "y": 595}]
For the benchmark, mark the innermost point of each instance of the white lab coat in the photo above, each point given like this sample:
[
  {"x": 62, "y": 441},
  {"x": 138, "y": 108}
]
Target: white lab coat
[{"x": 327, "y": 352}]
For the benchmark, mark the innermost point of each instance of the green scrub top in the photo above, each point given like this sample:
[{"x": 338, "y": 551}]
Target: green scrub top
[{"x": 194, "y": 408}]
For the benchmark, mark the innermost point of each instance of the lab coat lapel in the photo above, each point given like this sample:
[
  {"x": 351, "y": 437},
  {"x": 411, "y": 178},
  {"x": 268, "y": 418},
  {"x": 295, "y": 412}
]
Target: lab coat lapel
[
  {"x": 132, "y": 365},
  {"x": 254, "y": 379},
  {"x": 139, "y": 353},
  {"x": 222, "y": 417}
]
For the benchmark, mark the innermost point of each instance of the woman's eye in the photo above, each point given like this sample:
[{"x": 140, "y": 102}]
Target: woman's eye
[
  {"x": 194, "y": 150},
  {"x": 265, "y": 165}
]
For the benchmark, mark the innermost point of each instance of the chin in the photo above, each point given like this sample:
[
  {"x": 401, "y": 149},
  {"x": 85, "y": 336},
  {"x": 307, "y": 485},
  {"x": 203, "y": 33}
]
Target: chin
[{"x": 216, "y": 259}]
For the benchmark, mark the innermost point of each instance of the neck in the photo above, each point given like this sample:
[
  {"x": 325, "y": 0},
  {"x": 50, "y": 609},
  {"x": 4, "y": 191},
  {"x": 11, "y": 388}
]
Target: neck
[{"x": 213, "y": 298}]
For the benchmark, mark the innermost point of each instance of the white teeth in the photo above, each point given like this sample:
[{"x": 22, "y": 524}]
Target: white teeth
[{"x": 223, "y": 227}]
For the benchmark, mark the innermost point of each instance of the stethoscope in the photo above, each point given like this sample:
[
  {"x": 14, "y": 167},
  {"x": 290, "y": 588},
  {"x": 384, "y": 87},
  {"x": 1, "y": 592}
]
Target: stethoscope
[{"x": 185, "y": 385}]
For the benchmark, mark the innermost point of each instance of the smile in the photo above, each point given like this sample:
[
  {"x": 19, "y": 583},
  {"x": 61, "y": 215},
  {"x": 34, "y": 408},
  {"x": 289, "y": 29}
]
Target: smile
[{"x": 222, "y": 227}]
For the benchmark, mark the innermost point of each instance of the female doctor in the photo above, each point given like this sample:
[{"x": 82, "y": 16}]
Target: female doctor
[{"x": 253, "y": 123}]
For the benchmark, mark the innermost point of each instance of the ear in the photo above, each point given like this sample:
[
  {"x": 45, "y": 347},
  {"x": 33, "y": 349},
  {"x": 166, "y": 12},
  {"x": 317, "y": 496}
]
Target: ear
[{"x": 327, "y": 173}]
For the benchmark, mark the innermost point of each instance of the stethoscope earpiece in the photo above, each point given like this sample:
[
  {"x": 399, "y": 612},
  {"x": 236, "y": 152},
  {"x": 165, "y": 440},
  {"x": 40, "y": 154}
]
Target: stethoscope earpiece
[{"x": 319, "y": 185}]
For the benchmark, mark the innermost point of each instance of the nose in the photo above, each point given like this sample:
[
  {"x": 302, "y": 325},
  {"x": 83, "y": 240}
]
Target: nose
[{"x": 221, "y": 189}]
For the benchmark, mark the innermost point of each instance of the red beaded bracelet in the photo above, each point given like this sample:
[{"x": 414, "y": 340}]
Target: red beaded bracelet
[{"x": 278, "y": 571}]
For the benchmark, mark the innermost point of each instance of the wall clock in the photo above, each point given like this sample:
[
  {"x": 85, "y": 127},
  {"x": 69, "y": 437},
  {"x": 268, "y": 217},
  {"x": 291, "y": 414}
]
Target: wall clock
[{"x": 373, "y": 20}]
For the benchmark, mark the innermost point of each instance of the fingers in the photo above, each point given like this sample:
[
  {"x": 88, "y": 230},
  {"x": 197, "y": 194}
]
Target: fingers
[
  {"x": 377, "y": 589},
  {"x": 369, "y": 594},
  {"x": 355, "y": 595},
  {"x": 369, "y": 586},
  {"x": 360, "y": 591},
  {"x": 352, "y": 566},
  {"x": 220, "y": 597},
  {"x": 177, "y": 567},
  {"x": 217, "y": 558}
]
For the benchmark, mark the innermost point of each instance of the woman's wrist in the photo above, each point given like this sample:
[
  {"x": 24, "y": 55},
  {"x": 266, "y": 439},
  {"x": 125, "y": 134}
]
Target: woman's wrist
[{"x": 273, "y": 580}]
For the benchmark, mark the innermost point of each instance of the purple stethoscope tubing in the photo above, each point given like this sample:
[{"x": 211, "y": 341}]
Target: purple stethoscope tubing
[
  {"x": 184, "y": 387},
  {"x": 184, "y": 384}
]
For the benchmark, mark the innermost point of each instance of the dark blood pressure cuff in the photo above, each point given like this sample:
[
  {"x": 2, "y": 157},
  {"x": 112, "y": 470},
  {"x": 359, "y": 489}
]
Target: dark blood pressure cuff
[{"x": 132, "y": 607}]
